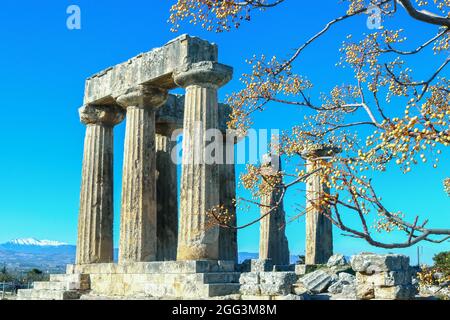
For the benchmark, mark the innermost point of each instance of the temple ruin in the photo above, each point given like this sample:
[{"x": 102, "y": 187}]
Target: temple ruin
[{"x": 166, "y": 249}]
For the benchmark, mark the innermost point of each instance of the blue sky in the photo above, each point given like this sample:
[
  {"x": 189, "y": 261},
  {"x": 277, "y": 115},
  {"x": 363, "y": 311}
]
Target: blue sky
[{"x": 44, "y": 65}]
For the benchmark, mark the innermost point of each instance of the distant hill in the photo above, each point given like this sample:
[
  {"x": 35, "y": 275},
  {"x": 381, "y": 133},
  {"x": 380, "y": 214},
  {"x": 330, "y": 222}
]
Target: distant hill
[
  {"x": 53, "y": 256},
  {"x": 34, "y": 242},
  {"x": 27, "y": 253}
]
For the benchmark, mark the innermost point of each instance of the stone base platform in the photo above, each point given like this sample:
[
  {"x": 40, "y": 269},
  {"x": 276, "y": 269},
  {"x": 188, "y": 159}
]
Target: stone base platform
[{"x": 149, "y": 280}]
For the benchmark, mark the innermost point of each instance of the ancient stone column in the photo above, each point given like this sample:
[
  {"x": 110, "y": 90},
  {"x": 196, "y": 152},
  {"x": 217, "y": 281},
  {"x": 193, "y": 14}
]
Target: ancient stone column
[
  {"x": 168, "y": 119},
  {"x": 198, "y": 234},
  {"x": 319, "y": 229},
  {"x": 95, "y": 225},
  {"x": 273, "y": 243},
  {"x": 138, "y": 216},
  {"x": 228, "y": 249},
  {"x": 167, "y": 195}
]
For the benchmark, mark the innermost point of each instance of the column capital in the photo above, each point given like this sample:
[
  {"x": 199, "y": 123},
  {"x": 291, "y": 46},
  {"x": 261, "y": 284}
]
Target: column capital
[
  {"x": 205, "y": 73},
  {"x": 319, "y": 151},
  {"x": 143, "y": 96},
  {"x": 106, "y": 115}
]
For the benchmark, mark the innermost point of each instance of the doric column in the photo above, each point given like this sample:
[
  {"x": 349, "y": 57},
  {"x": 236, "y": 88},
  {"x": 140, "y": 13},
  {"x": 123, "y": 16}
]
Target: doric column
[
  {"x": 198, "y": 235},
  {"x": 319, "y": 229},
  {"x": 273, "y": 243},
  {"x": 95, "y": 225},
  {"x": 138, "y": 216},
  {"x": 167, "y": 195},
  {"x": 228, "y": 249},
  {"x": 168, "y": 119}
]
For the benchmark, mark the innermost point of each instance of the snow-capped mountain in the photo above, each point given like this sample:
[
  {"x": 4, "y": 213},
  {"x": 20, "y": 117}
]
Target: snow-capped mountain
[
  {"x": 27, "y": 253},
  {"x": 35, "y": 242},
  {"x": 32, "y": 245}
]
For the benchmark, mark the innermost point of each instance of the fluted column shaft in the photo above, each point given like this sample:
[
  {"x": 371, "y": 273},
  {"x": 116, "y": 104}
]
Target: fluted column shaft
[
  {"x": 138, "y": 215},
  {"x": 199, "y": 235},
  {"x": 228, "y": 249},
  {"x": 95, "y": 225},
  {"x": 199, "y": 181},
  {"x": 167, "y": 195},
  {"x": 319, "y": 229},
  {"x": 273, "y": 242}
]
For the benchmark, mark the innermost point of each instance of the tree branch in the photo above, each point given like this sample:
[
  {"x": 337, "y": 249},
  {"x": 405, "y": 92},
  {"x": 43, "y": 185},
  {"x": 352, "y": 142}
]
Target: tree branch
[{"x": 423, "y": 15}]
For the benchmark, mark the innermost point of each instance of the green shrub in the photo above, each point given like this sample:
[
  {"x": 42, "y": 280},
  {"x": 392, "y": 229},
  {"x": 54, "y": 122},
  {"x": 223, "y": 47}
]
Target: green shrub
[
  {"x": 4, "y": 275},
  {"x": 442, "y": 262}
]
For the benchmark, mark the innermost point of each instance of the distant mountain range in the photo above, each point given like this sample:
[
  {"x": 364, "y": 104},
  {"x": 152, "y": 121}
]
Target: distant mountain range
[
  {"x": 28, "y": 253},
  {"x": 53, "y": 256},
  {"x": 35, "y": 242}
]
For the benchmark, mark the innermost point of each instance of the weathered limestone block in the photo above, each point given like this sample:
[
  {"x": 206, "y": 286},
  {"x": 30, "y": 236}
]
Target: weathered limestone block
[
  {"x": 250, "y": 289},
  {"x": 277, "y": 283},
  {"x": 345, "y": 279},
  {"x": 32, "y": 294},
  {"x": 399, "y": 292},
  {"x": 336, "y": 287},
  {"x": 370, "y": 263},
  {"x": 80, "y": 282},
  {"x": 267, "y": 283},
  {"x": 365, "y": 290},
  {"x": 386, "y": 278},
  {"x": 349, "y": 292},
  {"x": 319, "y": 230},
  {"x": 200, "y": 183},
  {"x": 249, "y": 278},
  {"x": 95, "y": 224},
  {"x": 220, "y": 277},
  {"x": 336, "y": 260},
  {"x": 154, "y": 68},
  {"x": 159, "y": 291},
  {"x": 138, "y": 216},
  {"x": 261, "y": 265},
  {"x": 317, "y": 281},
  {"x": 273, "y": 243},
  {"x": 383, "y": 276}
]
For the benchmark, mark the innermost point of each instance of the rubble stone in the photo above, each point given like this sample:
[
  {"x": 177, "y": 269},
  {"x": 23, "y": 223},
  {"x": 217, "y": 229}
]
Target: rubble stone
[{"x": 317, "y": 281}]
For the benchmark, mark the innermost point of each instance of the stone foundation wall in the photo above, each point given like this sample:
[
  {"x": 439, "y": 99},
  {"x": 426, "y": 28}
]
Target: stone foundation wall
[
  {"x": 171, "y": 279},
  {"x": 369, "y": 277},
  {"x": 383, "y": 277}
]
